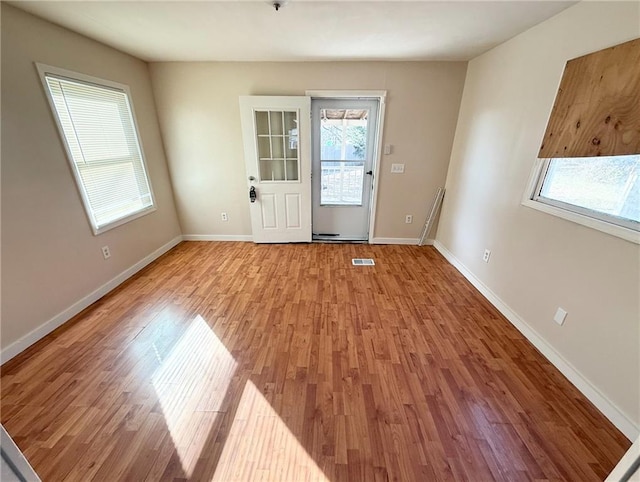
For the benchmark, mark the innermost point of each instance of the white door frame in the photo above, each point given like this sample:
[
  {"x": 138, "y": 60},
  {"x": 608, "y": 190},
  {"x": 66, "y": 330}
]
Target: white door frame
[{"x": 381, "y": 96}]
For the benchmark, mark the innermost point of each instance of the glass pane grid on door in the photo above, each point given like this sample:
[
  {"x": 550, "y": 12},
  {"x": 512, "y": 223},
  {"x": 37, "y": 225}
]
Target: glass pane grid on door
[{"x": 277, "y": 145}]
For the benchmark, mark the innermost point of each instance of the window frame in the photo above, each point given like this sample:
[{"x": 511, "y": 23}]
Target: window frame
[
  {"x": 43, "y": 70},
  {"x": 586, "y": 217}
]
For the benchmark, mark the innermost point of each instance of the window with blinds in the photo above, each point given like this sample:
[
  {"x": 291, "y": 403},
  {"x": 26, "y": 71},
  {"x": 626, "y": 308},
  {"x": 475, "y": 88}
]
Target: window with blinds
[{"x": 96, "y": 123}]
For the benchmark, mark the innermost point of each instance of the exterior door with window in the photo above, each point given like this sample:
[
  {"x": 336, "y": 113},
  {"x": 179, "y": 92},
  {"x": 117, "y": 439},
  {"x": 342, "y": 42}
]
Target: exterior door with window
[
  {"x": 344, "y": 134},
  {"x": 277, "y": 145}
]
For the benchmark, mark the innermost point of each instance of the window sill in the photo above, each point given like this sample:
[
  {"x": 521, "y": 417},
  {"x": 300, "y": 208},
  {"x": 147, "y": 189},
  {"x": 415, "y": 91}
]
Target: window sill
[
  {"x": 125, "y": 220},
  {"x": 611, "y": 229}
]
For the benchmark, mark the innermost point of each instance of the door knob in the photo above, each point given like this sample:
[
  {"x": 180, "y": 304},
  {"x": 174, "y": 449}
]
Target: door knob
[
  {"x": 369, "y": 172},
  {"x": 252, "y": 194}
]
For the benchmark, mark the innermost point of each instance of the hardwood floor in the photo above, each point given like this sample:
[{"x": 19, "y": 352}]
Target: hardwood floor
[{"x": 235, "y": 361}]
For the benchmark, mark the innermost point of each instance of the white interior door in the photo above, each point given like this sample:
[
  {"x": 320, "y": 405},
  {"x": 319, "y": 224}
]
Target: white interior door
[
  {"x": 277, "y": 149},
  {"x": 344, "y": 145}
]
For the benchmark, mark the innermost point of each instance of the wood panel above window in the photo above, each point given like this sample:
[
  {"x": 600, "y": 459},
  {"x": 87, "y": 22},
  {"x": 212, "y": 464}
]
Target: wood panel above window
[{"x": 597, "y": 108}]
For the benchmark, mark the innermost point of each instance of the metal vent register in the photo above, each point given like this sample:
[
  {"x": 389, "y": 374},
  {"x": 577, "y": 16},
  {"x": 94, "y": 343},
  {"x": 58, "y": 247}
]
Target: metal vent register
[{"x": 362, "y": 262}]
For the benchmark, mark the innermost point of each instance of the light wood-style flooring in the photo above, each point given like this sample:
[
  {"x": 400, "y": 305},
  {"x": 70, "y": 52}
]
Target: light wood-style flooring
[{"x": 235, "y": 361}]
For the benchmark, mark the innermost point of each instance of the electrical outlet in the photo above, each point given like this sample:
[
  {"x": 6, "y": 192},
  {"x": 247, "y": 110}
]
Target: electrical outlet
[
  {"x": 486, "y": 255},
  {"x": 224, "y": 216},
  {"x": 397, "y": 168},
  {"x": 106, "y": 253},
  {"x": 560, "y": 316},
  {"x": 408, "y": 218}
]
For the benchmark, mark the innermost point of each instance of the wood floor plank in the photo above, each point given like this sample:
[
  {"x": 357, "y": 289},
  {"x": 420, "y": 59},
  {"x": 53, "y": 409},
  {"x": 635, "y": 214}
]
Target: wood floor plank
[{"x": 235, "y": 361}]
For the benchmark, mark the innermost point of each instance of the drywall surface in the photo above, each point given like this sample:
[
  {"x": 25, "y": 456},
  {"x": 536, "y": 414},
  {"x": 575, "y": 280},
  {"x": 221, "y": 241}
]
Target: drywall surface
[
  {"x": 200, "y": 119},
  {"x": 540, "y": 262},
  {"x": 50, "y": 257}
]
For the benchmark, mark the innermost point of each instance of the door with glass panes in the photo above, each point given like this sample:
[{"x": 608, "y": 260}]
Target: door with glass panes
[
  {"x": 277, "y": 145},
  {"x": 343, "y": 149}
]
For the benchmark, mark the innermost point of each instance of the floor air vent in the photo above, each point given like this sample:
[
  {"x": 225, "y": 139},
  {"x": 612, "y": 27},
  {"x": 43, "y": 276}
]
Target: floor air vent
[{"x": 362, "y": 262}]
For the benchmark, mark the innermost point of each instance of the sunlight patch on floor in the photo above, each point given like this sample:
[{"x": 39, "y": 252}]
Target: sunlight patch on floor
[
  {"x": 191, "y": 384},
  {"x": 260, "y": 446}
]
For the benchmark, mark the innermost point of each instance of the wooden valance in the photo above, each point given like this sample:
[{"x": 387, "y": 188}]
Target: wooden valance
[{"x": 597, "y": 108}]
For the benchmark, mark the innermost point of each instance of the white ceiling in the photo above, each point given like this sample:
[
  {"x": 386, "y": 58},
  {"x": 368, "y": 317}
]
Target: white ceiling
[{"x": 306, "y": 30}]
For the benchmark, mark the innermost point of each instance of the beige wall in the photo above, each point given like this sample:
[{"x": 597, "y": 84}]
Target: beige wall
[
  {"x": 200, "y": 120},
  {"x": 539, "y": 261},
  {"x": 50, "y": 258}
]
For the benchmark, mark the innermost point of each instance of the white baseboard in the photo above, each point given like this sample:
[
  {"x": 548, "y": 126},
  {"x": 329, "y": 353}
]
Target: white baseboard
[
  {"x": 413, "y": 241},
  {"x": 629, "y": 461},
  {"x": 248, "y": 237},
  {"x": 217, "y": 237},
  {"x": 47, "y": 327},
  {"x": 18, "y": 464},
  {"x": 627, "y": 426}
]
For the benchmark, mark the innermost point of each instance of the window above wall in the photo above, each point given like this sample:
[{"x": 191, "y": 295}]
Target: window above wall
[
  {"x": 588, "y": 168},
  {"x": 97, "y": 126}
]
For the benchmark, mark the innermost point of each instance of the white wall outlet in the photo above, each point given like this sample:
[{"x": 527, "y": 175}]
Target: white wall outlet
[
  {"x": 224, "y": 216},
  {"x": 486, "y": 255},
  {"x": 560, "y": 316},
  {"x": 408, "y": 218},
  {"x": 106, "y": 252},
  {"x": 387, "y": 149},
  {"x": 397, "y": 168}
]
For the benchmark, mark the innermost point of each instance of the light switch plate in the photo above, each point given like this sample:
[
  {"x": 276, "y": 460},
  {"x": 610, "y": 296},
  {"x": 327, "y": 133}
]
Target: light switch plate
[
  {"x": 397, "y": 168},
  {"x": 560, "y": 316}
]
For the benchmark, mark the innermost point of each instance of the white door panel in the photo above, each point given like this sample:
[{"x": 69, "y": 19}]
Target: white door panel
[
  {"x": 277, "y": 144},
  {"x": 293, "y": 210},
  {"x": 269, "y": 210}
]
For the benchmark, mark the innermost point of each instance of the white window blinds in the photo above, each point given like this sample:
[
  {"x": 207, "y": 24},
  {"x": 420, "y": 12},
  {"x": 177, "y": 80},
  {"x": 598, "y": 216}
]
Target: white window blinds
[{"x": 97, "y": 125}]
